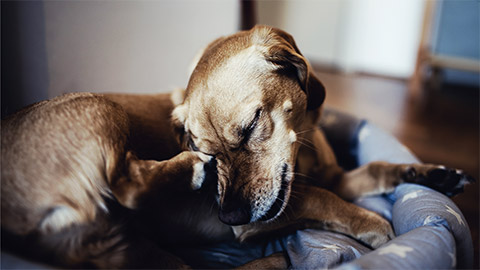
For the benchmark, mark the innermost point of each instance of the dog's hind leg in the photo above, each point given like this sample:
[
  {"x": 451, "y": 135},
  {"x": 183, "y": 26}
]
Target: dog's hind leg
[
  {"x": 380, "y": 177},
  {"x": 104, "y": 245}
]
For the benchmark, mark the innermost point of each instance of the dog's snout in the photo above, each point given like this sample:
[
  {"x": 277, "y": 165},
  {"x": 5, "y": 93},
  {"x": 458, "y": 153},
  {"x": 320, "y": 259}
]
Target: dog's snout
[{"x": 235, "y": 212}]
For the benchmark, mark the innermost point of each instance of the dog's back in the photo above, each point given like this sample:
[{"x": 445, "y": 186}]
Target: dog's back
[{"x": 56, "y": 158}]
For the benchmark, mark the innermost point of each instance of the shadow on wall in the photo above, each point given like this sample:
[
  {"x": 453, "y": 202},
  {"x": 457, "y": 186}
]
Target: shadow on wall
[{"x": 23, "y": 37}]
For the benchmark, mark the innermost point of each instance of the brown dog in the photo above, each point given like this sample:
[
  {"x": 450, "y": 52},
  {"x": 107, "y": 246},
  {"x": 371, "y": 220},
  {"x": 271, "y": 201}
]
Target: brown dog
[{"x": 250, "y": 109}]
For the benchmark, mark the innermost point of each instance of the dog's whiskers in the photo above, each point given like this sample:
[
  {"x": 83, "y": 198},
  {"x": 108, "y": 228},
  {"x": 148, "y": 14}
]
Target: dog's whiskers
[
  {"x": 296, "y": 196},
  {"x": 293, "y": 193},
  {"x": 304, "y": 131},
  {"x": 212, "y": 206},
  {"x": 306, "y": 145},
  {"x": 306, "y": 140}
]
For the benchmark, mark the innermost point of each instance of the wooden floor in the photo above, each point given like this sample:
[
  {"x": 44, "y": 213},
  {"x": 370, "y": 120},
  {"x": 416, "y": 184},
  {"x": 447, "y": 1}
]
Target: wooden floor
[{"x": 440, "y": 127}]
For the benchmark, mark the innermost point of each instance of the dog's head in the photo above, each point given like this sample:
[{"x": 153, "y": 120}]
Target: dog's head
[{"x": 246, "y": 104}]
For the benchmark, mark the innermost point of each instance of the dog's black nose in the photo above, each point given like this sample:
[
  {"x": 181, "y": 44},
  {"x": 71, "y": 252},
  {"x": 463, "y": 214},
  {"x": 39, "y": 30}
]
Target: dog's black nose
[{"x": 235, "y": 212}]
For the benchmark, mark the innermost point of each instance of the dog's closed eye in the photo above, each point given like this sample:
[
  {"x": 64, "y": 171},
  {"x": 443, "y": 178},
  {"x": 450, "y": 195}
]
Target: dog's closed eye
[{"x": 247, "y": 131}]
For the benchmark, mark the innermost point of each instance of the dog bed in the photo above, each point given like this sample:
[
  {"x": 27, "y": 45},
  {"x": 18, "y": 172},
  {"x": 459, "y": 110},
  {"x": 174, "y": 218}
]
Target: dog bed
[{"x": 431, "y": 231}]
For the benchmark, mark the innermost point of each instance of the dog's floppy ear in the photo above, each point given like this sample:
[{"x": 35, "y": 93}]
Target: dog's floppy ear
[{"x": 287, "y": 55}]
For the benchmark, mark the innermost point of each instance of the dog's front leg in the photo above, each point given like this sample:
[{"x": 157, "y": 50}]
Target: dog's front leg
[
  {"x": 145, "y": 178},
  {"x": 314, "y": 207},
  {"x": 326, "y": 210}
]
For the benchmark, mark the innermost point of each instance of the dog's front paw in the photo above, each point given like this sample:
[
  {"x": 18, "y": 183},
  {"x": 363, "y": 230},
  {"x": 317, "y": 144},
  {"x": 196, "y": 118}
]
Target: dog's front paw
[
  {"x": 204, "y": 170},
  {"x": 446, "y": 180},
  {"x": 374, "y": 230}
]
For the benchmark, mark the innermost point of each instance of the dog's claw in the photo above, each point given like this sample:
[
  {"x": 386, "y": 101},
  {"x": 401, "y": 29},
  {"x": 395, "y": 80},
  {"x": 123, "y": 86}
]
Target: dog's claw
[
  {"x": 409, "y": 174},
  {"x": 446, "y": 180},
  {"x": 377, "y": 232}
]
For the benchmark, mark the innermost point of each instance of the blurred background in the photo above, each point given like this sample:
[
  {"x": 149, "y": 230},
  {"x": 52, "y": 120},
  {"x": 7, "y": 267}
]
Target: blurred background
[{"x": 409, "y": 66}]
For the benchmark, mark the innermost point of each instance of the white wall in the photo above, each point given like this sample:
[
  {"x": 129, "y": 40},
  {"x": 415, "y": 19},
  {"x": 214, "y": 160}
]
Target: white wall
[
  {"x": 146, "y": 46},
  {"x": 129, "y": 46},
  {"x": 375, "y": 36},
  {"x": 313, "y": 24},
  {"x": 381, "y": 36}
]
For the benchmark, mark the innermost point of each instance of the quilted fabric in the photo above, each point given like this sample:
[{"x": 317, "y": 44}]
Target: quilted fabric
[
  {"x": 431, "y": 231},
  {"x": 431, "y": 234}
]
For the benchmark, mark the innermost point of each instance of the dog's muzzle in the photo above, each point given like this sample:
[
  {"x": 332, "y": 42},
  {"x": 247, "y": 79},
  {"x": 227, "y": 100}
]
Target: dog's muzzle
[
  {"x": 281, "y": 199},
  {"x": 237, "y": 211}
]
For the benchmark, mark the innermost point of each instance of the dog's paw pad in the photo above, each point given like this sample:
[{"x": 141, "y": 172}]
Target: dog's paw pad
[
  {"x": 203, "y": 170},
  {"x": 446, "y": 180}
]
